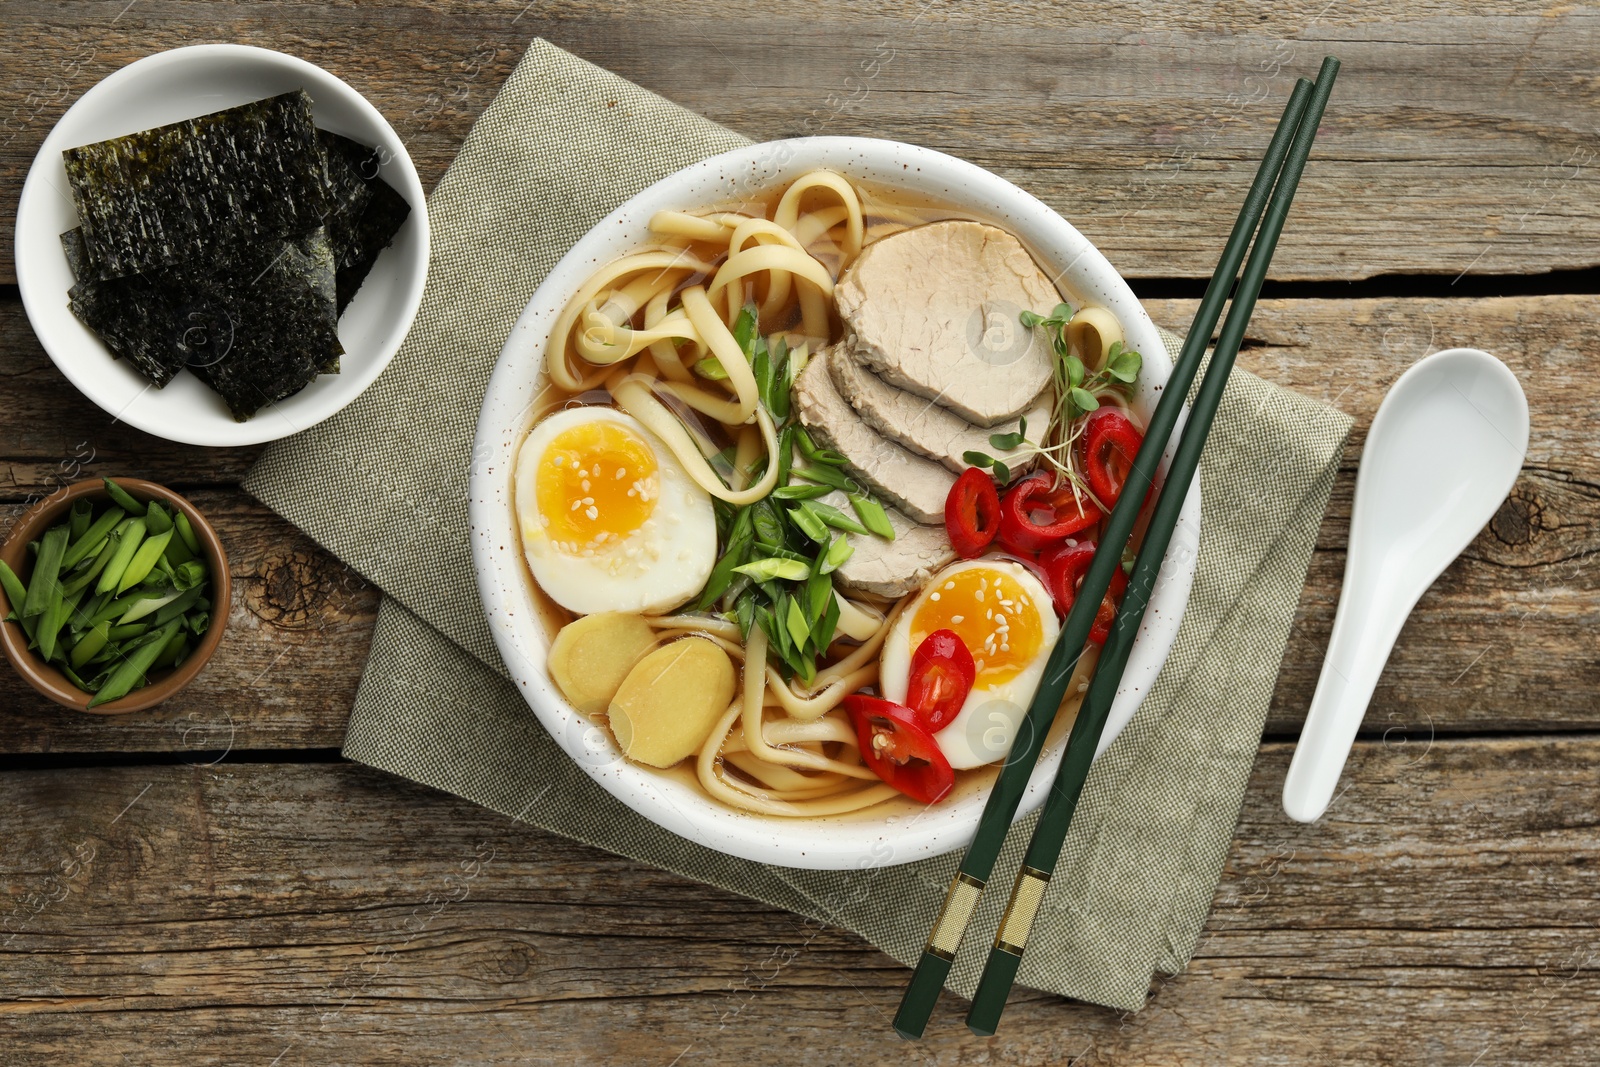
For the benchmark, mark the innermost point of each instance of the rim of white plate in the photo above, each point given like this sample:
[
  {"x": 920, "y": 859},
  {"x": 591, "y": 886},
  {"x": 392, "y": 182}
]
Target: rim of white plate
[
  {"x": 168, "y": 87},
  {"x": 897, "y": 831}
]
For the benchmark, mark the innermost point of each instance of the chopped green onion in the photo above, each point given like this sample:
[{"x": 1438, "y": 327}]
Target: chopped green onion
[
  {"x": 90, "y": 644},
  {"x": 765, "y": 570},
  {"x": 143, "y": 561},
  {"x": 120, "y": 497},
  {"x": 834, "y": 517},
  {"x": 837, "y": 553},
  {"x": 823, "y": 474},
  {"x": 82, "y": 514},
  {"x": 168, "y": 610},
  {"x": 799, "y": 628},
  {"x": 186, "y": 531},
  {"x": 809, "y": 524},
  {"x": 809, "y": 449},
  {"x": 710, "y": 369},
  {"x": 145, "y": 604},
  {"x": 17, "y": 595},
  {"x": 156, "y": 518},
  {"x": 44, "y": 584},
  {"x": 128, "y": 543},
  {"x": 722, "y": 573},
  {"x": 87, "y": 574},
  {"x": 872, "y": 515},
  {"x": 131, "y": 671},
  {"x": 93, "y": 538},
  {"x": 801, "y": 492}
]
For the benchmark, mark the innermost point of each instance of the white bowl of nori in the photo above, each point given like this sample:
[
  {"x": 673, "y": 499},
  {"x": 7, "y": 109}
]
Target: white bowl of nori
[{"x": 170, "y": 87}]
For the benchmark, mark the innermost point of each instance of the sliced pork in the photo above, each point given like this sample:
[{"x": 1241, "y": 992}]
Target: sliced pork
[
  {"x": 919, "y": 424},
  {"x": 896, "y": 475},
  {"x": 934, "y": 310}
]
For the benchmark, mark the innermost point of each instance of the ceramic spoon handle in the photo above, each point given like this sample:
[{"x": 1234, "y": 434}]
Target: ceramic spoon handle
[{"x": 1364, "y": 632}]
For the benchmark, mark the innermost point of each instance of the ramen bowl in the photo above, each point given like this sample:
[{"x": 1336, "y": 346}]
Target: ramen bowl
[{"x": 898, "y": 830}]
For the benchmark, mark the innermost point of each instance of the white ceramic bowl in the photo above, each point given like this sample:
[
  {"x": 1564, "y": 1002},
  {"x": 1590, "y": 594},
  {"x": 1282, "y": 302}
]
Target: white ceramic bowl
[
  {"x": 165, "y": 88},
  {"x": 898, "y": 831}
]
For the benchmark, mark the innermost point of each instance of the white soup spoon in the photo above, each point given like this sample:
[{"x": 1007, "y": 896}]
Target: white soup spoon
[{"x": 1444, "y": 449}]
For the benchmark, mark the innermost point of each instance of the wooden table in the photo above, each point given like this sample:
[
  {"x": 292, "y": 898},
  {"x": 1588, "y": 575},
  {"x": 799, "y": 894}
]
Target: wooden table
[{"x": 211, "y": 883}]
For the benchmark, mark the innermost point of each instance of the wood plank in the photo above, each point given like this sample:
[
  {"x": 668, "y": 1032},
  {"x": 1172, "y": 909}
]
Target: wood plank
[
  {"x": 330, "y": 913},
  {"x": 1463, "y": 129},
  {"x": 52, "y": 435},
  {"x": 1502, "y": 642}
]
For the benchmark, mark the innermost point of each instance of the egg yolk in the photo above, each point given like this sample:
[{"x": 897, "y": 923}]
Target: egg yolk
[
  {"x": 992, "y": 613},
  {"x": 597, "y": 484}
]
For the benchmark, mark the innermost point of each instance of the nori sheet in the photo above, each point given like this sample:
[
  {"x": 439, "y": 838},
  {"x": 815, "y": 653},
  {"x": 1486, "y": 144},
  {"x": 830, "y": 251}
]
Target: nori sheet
[
  {"x": 284, "y": 326},
  {"x": 367, "y": 212},
  {"x": 181, "y": 192},
  {"x": 257, "y": 329},
  {"x": 135, "y": 317},
  {"x": 72, "y": 245}
]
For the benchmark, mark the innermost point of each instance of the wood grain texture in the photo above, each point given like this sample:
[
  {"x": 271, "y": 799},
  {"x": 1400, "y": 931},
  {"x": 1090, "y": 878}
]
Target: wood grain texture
[
  {"x": 234, "y": 914},
  {"x": 1460, "y": 137},
  {"x": 1503, "y": 642},
  {"x": 243, "y": 903}
]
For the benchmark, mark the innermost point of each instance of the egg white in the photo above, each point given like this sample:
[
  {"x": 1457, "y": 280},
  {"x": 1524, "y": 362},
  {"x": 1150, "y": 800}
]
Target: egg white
[
  {"x": 984, "y": 729},
  {"x": 656, "y": 568}
]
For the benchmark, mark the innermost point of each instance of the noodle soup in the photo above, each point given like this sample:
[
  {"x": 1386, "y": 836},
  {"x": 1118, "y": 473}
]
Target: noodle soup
[{"x": 759, "y": 550}]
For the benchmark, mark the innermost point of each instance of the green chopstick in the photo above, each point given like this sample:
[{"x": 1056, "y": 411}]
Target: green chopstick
[
  {"x": 922, "y": 992},
  {"x": 1039, "y": 862}
]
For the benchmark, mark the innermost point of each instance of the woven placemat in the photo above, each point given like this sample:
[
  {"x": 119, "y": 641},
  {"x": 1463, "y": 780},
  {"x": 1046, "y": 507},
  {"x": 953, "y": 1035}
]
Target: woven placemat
[{"x": 383, "y": 485}]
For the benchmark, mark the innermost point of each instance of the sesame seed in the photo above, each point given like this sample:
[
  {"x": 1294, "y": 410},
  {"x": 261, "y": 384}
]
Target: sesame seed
[
  {"x": 934, "y": 596},
  {"x": 621, "y": 472},
  {"x": 586, "y": 485},
  {"x": 958, "y": 619},
  {"x": 592, "y": 511}
]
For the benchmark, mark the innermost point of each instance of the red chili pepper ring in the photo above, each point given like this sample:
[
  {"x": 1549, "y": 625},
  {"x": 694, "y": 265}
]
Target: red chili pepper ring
[{"x": 1020, "y": 532}]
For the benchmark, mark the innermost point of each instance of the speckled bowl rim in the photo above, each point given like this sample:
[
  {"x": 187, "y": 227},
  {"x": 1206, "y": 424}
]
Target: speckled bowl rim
[
  {"x": 49, "y": 681},
  {"x": 899, "y": 831}
]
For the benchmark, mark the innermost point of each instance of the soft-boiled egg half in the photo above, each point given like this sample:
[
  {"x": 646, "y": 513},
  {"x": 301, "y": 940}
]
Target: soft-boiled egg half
[
  {"x": 1005, "y": 616},
  {"x": 610, "y": 519}
]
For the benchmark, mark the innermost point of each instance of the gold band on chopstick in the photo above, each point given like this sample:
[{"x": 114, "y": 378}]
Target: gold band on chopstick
[
  {"x": 1026, "y": 896},
  {"x": 959, "y": 901}
]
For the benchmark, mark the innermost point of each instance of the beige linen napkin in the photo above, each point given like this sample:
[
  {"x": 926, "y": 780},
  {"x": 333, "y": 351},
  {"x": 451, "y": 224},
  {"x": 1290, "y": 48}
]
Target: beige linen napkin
[{"x": 383, "y": 485}]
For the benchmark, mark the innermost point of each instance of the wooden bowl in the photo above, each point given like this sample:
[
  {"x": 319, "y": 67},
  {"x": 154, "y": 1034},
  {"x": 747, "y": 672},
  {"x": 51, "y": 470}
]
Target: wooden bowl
[{"x": 46, "y": 678}]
